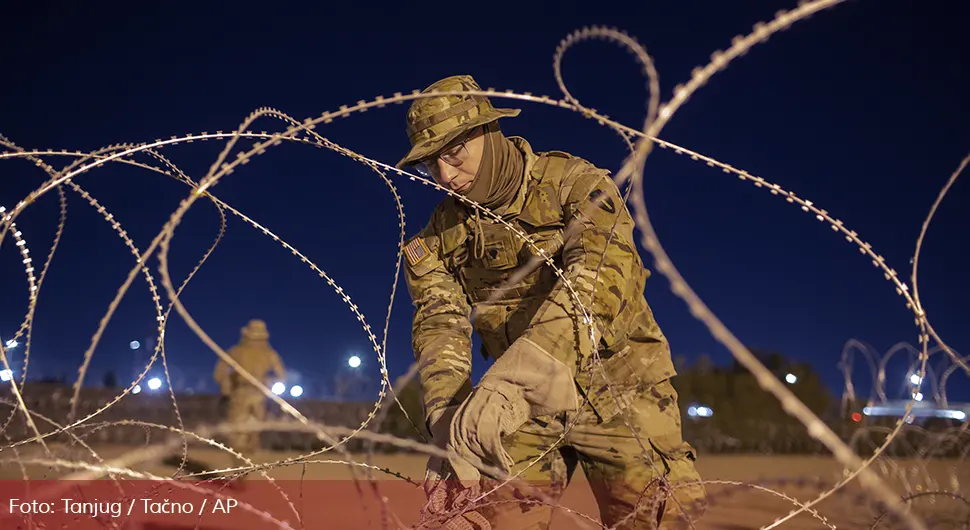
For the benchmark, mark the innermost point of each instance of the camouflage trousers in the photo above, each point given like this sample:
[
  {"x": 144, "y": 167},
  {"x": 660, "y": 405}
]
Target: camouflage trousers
[
  {"x": 244, "y": 406},
  {"x": 638, "y": 484}
]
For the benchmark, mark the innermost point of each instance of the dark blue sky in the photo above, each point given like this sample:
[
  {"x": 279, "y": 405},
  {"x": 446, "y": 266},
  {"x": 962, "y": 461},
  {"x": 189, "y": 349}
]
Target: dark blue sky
[{"x": 860, "y": 109}]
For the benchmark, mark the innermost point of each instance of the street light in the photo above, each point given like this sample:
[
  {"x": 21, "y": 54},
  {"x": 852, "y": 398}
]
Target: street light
[
  {"x": 136, "y": 390},
  {"x": 791, "y": 379},
  {"x": 6, "y": 375},
  {"x": 915, "y": 379},
  {"x": 296, "y": 391},
  {"x": 154, "y": 383},
  {"x": 354, "y": 361},
  {"x": 12, "y": 343},
  {"x": 702, "y": 411},
  {"x": 278, "y": 388},
  {"x": 134, "y": 345}
]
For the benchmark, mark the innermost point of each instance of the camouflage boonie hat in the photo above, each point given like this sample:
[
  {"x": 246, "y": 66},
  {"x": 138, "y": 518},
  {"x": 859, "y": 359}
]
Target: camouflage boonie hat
[
  {"x": 256, "y": 330},
  {"x": 435, "y": 121}
]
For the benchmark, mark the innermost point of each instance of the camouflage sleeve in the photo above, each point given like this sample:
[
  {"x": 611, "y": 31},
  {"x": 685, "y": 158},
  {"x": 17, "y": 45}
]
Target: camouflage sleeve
[
  {"x": 593, "y": 208},
  {"x": 441, "y": 330},
  {"x": 277, "y": 365},
  {"x": 221, "y": 374}
]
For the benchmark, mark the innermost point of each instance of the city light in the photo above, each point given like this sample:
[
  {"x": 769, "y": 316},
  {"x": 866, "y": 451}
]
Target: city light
[
  {"x": 6, "y": 375},
  {"x": 278, "y": 388},
  {"x": 790, "y": 379},
  {"x": 354, "y": 361},
  {"x": 703, "y": 412},
  {"x": 136, "y": 390},
  {"x": 134, "y": 345},
  {"x": 154, "y": 383},
  {"x": 296, "y": 391},
  {"x": 12, "y": 343},
  {"x": 920, "y": 411}
]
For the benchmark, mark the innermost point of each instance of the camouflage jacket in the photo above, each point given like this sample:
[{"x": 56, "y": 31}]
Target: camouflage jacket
[
  {"x": 256, "y": 357},
  {"x": 446, "y": 281}
]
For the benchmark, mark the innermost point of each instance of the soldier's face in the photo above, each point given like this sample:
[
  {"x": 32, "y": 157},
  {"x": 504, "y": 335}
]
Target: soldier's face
[{"x": 467, "y": 152}]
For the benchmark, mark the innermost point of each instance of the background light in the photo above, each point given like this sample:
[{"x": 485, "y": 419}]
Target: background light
[
  {"x": 702, "y": 411},
  {"x": 6, "y": 375},
  {"x": 12, "y": 343},
  {"x": 296, "y": 391},
  {"x": 915, "y": 379},
  {"x": 136, "y": 390},
  {"x": 918, "y": 396},
  {"x": 278, "y": 388},
  {"x": 154, "y": 383},
  {"x": 134, "y": 345},
  {"x": 354, "y": 361},
  {"x": 790, "y": 379}
]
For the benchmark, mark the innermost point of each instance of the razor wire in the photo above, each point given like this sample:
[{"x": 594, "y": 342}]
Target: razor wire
[{"x": 147, "y": 156}]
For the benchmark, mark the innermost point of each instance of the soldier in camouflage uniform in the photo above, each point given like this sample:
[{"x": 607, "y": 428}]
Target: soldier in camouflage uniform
[
  {"x": 541, "y": 381},
  {"x": 246, "y": 402}
]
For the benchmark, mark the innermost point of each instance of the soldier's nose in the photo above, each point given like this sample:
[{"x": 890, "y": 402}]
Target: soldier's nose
[{"x": 447, "y": 172}]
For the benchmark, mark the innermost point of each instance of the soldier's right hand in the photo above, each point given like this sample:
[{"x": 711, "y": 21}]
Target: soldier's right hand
[
  {"x": 444, "y": 492},
  {"x": 438, "y": 469}
]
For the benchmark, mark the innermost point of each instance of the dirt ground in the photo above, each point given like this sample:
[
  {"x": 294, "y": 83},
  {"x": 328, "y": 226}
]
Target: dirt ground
[{"x": 799, "y": 478}]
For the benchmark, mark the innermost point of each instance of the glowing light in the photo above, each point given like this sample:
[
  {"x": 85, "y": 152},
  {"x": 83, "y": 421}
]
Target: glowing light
[
  {"x": 134, "y": 345},
  {"x": 354, "y": 361},
  {"x": 915, "y": 379},
  {"x": 921, "y": 411},
  {"x": 154, "y": 383},
  {"x": 856, "y": 417},
  {"x": 702, "y": 411},
  {"x": 136, "y": 390},
  {"x": 790, "y": 379},
  {"x": 6, "y": 375},
  {"x": 918, "y": 396},
  {"x": 12, "y": 343},
  {"x": 278, "y": 388},
  {"x": 296, "y": 391}
]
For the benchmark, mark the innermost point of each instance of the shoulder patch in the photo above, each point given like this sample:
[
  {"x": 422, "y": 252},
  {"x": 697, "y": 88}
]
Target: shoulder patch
[{"x": 416, "y": 251}]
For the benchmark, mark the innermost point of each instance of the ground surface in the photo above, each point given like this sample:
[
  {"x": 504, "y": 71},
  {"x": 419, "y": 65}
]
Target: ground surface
[{"x": 327, "y": 496}]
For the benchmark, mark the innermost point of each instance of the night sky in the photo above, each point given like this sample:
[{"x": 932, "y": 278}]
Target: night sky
[{"x": 861, "y": 109}]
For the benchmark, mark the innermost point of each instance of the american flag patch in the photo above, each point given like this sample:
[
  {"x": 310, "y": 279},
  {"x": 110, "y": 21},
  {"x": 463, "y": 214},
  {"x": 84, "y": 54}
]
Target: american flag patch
[{"x": 416, "y": 251}]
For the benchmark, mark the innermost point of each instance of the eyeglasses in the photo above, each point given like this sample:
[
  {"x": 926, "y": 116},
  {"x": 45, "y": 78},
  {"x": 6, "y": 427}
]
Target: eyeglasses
[{"x": 453, "y": 156}]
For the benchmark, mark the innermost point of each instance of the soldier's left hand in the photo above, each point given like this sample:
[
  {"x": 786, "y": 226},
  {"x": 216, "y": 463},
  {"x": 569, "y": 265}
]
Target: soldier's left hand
[
  {"x": 493, "y": 410},
  {"x": 524, "y": 383}
]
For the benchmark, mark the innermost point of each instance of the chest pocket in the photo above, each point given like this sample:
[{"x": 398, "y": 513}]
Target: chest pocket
[{"x": 501, "y": 247}]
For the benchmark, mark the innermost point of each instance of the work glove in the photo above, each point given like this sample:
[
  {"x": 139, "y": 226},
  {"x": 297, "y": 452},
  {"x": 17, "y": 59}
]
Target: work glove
[
  {"x": 525, "y": 383},
  {"x": 438, "y": 469},
  {"x": 444, "y": 493}
]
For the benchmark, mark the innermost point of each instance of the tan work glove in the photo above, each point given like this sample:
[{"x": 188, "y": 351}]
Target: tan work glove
[
  {"x": 444, "y": 492},
  {"x": 526, "y": 382},
  {"x": 437, "y": 469}
]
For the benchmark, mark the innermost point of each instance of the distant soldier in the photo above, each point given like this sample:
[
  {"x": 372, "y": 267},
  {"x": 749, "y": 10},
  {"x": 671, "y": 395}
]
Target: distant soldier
[
  {"x": 246, "y": 402},
  {"x": 460, "y": 261}
]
